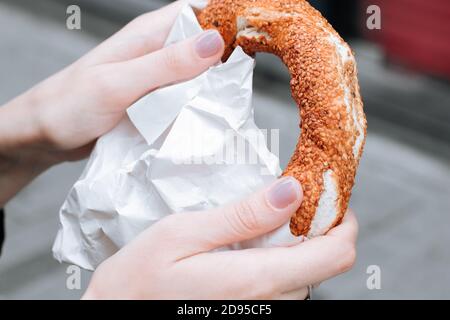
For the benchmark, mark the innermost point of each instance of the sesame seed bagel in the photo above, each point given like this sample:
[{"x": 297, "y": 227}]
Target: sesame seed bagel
[{"x": 324, "y": 84}]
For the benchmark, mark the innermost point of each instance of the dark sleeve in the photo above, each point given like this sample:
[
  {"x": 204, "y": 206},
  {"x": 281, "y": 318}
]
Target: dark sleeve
[{"x": 2, "y": 229}]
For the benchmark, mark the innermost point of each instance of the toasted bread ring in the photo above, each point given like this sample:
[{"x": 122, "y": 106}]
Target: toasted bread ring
[{"x": 324, "y": 84}]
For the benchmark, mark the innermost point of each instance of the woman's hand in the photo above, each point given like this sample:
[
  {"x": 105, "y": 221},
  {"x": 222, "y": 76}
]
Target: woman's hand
[
  {"x": 173, "y": 258},
  {"x": 90, "y": 97},
  {"x": 87, "y": 99},
  {"x": 60, "y": 118}
]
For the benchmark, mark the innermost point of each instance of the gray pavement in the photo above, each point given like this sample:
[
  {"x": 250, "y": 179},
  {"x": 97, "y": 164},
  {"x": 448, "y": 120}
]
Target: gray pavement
[{"x": 401, "y": 197}]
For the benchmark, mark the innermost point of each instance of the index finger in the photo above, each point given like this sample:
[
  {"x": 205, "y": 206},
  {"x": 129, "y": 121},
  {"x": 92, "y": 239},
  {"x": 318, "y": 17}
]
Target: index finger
[
  {"x": 310, "y": 262},
  {"x": 143, "y": 35},
  {"x": 317, "y": 259}
]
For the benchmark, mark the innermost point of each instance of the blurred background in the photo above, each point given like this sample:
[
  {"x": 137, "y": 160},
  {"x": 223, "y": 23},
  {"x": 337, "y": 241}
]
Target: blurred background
[{"x": 402, "y": 193}]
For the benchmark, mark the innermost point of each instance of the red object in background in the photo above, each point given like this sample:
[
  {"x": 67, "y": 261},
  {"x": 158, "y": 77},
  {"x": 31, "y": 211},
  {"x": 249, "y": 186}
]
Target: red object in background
[{"x": 415, "y": 33}]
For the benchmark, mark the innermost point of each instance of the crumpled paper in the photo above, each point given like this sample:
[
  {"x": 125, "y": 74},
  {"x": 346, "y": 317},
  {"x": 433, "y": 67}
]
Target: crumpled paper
[{"x": 168, "y": 156}]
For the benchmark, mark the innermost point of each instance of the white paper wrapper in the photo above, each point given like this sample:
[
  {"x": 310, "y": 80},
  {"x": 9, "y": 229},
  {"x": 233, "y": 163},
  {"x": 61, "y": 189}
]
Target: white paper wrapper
[{"x": 143, "y": 170}]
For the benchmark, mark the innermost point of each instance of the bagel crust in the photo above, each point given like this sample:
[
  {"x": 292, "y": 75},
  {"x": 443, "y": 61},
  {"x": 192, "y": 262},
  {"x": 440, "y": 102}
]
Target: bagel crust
[{"x": 324, "y": 85}]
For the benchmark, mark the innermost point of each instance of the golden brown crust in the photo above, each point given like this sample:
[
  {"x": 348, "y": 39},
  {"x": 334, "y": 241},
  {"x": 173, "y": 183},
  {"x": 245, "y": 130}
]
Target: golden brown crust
[{"x": 324, "y": 85}]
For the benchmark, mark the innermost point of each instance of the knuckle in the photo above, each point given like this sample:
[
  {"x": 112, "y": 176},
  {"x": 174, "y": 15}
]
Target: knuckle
[
  {"x": 244, "y": 218},
  {"x": 100, "y": 80}
]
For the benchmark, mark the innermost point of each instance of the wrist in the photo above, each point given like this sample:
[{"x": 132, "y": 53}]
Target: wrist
[
  {"x": 22, "y": 155},
  {"x": 22, "y": 143},
  {"x": 19, "y": 122}
]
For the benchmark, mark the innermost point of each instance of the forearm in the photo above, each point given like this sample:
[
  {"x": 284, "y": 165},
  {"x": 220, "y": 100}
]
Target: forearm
[{"x": 21, "y": 151}]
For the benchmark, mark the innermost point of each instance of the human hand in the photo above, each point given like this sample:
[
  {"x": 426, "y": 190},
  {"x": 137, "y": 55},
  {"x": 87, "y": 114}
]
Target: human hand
[
  {"x": 60, "y": 118},
  {"x": 173, "y": 258}
]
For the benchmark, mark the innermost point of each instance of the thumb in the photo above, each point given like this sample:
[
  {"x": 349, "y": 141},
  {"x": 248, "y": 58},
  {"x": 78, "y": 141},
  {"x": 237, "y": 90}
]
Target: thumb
[
  {"x": 181, "y": 61},
  {"x": 260, "y": 213}
]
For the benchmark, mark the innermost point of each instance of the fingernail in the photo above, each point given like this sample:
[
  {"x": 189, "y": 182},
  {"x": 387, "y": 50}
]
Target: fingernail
[
  {"x": 209, "y": 44},
  {"x": 284, "y": 193}
]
